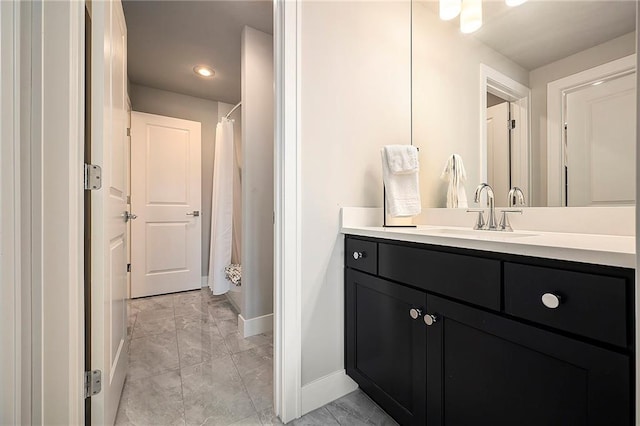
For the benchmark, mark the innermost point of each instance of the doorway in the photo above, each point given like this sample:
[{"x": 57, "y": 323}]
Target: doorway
[
  {"x": 216, "y": 348},
  {"x": 505, "y": 134}
]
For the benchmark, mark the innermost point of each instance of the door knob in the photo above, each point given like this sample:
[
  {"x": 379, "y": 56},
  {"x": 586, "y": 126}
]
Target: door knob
[
  {"x": 415, "y": 313},
  {"x": 430, "y": 319},
  {"x": 129, "y": 216},
  {"x": 194, "y": 213},
  {"x": 550, "y": 300}
]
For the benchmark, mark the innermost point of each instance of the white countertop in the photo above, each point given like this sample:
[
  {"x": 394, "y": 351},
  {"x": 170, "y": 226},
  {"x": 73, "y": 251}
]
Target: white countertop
[{"x": 610, "y": 250}]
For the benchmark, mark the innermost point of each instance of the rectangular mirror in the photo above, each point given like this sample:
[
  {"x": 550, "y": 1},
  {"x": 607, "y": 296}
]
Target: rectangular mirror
[{"x": 541, "y": 97}]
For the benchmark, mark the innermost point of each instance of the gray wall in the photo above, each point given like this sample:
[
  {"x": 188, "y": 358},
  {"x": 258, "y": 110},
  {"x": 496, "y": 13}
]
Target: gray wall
[
  {"x": 257, "y": 173},
  {"x": 170, "y": 104}
]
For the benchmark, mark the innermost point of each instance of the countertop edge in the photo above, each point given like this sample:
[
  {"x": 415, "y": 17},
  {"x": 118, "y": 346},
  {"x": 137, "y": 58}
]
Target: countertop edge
[{"x": 573, "y": 254}]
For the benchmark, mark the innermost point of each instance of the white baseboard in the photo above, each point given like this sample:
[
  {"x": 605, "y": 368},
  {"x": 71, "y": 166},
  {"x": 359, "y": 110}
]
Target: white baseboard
[
  {"x": 204, "y": 281},
  {"x": 326, "y": 389},
  {"x": 253, "y": 326}
]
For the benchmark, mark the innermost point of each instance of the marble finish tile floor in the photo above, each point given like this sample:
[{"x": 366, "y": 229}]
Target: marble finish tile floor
[{"x": 188, "y": 365}]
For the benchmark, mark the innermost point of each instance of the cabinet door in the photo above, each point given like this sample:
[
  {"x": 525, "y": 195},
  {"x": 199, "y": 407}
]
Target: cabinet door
[
  {"x": 385, "y": 346},
  {"x": 486, "y": 369}
]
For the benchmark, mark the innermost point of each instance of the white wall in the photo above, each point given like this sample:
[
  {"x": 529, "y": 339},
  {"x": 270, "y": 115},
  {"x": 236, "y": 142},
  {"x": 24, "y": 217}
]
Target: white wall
[
  {"x": 446, "y": 99},
  {"x": 161, "y": 102},
  {"x": 257, "y": 172},
  {"x": 355, "y": 98},
  {"x": 540, "y": 77}
]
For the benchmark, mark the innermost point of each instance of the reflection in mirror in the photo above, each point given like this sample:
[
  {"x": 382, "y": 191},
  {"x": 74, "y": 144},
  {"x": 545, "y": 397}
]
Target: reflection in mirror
[{"x": 541, "y": 97}]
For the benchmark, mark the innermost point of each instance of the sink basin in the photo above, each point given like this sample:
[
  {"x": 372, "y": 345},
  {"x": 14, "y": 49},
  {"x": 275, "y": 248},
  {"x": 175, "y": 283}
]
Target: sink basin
[{"x": 485, "y": 235}]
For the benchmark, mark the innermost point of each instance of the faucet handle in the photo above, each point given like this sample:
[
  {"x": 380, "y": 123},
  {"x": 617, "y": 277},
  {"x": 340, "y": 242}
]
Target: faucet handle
[
  {"x": 480, "y": 221},
  {"x": 516, "y": 197},
  {"x": 504, "y": 220}
]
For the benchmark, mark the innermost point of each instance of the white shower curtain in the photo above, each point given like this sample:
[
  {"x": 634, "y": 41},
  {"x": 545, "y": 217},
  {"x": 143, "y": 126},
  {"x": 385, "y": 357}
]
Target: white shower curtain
[{"x": 221, "y": 208}]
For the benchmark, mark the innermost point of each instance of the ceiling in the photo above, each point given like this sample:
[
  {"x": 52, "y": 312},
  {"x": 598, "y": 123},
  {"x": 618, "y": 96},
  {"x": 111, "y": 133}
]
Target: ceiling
[
  {"x": 166, "y": 39},
  {"x": 540, "y": 32}
]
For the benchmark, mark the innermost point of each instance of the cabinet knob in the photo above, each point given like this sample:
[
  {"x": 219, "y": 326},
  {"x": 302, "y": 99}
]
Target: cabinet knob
[
  {"x": 359, "y": 254},
  {"x": 415, "y": 313},
  {"x": 551, "y": 301},
  {"x": 430, "y": 319}
]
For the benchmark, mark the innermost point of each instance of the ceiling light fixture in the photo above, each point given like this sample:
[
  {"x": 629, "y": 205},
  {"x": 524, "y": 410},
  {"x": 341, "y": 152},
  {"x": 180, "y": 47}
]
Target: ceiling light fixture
[
  {"x": 204, "y": 71},
  {"x": 471, "y": 16},
  {"x": 514, "y": 3},
  {"x": 449, "y": 9}
]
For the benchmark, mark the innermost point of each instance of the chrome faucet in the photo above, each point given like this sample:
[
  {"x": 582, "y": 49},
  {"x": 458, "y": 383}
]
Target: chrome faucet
[
  {"x": 516, "y": 197},
  {"x": 491, "y": 221}
]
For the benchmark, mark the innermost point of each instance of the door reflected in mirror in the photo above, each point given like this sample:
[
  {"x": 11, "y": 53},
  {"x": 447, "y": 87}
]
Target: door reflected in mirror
[{"x": 542, "y": 97}]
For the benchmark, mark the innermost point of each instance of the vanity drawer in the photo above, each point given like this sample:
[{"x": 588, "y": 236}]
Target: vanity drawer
[
  {"x": 589, "y": 305},
  {"x": 467, "y": 278},
  {"x": 362, "y": 255}
]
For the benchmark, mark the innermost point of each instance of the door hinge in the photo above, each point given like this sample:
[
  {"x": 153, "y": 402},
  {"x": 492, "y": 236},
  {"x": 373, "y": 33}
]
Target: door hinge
[
  {"x": 92, "y": 177},
  {"x": 92, "y": 383},
  {"x": 128, "y": 131},
  {"x": 128, "y": 267},
  {"x": 511, "y": 124}
]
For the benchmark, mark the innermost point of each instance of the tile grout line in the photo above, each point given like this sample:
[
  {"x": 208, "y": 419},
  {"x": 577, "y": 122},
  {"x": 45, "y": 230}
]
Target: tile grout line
[
  {"x": 175, "y": 326},
  {"x": 331, "y": 414},
  {"x": 244, "y": 386}
]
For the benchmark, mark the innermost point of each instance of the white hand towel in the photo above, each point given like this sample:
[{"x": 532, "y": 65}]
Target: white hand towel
[
  {"x": 402, "y": 190},
  {"x": 456, "y": 175},
  {"x": 402, "y": 158}
]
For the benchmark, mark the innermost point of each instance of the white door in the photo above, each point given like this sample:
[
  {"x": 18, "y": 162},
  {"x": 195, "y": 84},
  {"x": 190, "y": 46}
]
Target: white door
[
  {"x": 498, "y": 158},
  {"x": 165, "y": 196},
  {"x": 600, "y": 143},
  {"x": 108, "y": 205}
]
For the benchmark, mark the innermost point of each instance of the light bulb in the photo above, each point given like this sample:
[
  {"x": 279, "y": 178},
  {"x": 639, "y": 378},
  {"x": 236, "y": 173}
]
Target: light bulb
[
  {"x": 449, "y": 9},
  {"x": 471, "y": 16},
  {"x": 204, "y": 71},
  {"x": 513, "y": 3}
]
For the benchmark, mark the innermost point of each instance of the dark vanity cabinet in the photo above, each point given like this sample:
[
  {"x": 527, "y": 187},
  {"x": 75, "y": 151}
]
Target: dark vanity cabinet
[{"x": 444, "y": 336}]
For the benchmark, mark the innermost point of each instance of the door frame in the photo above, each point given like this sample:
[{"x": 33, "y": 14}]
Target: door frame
[
  {"x": 52, "y": 141},
  {"x": 493, "y": 81},
  {"x": 11, "y": 327},
  {"x": 556, "y": 94},
  {"x": 57, "y": 108},
  {"x": 287, "y": 211}
]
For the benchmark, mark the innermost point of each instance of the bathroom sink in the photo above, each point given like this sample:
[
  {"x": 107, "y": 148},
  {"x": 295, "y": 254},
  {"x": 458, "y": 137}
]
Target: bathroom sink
[{"x": 485, "y": 235}]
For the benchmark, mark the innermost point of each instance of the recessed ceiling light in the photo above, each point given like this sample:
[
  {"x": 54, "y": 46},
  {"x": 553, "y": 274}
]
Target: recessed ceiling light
[{"x": 204, "y": 71}]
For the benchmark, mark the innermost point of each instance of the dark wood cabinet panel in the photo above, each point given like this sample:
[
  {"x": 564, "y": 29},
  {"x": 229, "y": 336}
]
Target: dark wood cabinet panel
[
  {"x": 495, "y": 355},
  {"x": 472, "y": 279},
  {"x": 362, "y": 255},
  {"x": 486, "y": 369},
  {"x": 590, "y": 305},
  {"x": 385, "y": 347}
]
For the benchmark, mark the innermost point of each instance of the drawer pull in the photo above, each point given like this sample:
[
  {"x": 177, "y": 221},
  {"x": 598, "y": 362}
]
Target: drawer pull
[
  {"x": 415, "y": 313},
  {"x": 551, "y": 301},
  {"x": 430, "y": 319},
  {"x": 359, "y": 254}
]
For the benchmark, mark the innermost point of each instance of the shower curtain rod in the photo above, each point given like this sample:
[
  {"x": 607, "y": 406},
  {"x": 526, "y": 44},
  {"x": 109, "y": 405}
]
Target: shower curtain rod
[{"x": 233, "y": 109}]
